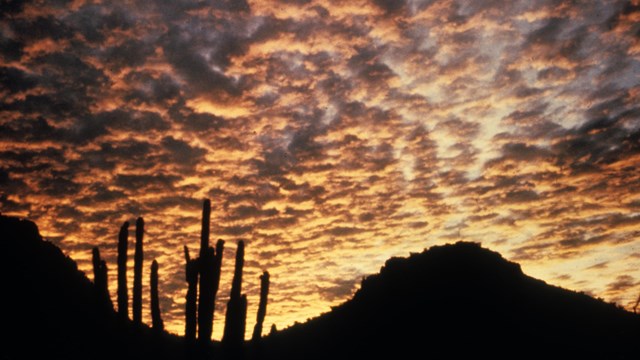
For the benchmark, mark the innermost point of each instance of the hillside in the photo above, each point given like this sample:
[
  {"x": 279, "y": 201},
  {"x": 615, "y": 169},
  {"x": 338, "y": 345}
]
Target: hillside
[
  {"x": 51, "y": 308},
  {"x": 460, "y": 301},
  {"x": 448, "y": 302}
]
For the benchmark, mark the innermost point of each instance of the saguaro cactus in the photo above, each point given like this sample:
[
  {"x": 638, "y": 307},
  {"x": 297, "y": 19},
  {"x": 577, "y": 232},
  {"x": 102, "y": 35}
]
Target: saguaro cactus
[
  {"x": 216, "y": 272},
  {"x": 262, "y": 307},
  {"x": 206, "y": 263},
  {"x": 100, "y": 276},
  {"x": 204, "y": 231},
  {"x": 123, "y": 296},
  {"x": 235, "y": 321},
  {"x": 137, "y": 273},
  {"x": 156, "y": 318},
  {"x": 206, "y": 298},
  {"x": 191, "y": 271},
  {"x": 209, "y": 265}
]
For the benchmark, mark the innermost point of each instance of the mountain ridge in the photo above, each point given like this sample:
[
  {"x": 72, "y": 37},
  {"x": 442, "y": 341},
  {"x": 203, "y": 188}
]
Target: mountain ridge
[
  {"x": 458, "y": 300},
  {"x": 52, "y": 308},
  {"x": 449, "y": 301}
]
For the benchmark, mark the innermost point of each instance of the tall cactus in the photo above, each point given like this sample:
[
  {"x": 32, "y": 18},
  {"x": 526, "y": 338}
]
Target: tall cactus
[
  {"x": 123, "y": 295},
  {"x": 262, "y": 307},
  {"x": 137, "y": 273},
  {"x": 216, "y": 272},
  {"x": 206, "y": 298},
  {"x": 235, "y": 321},
  {"x": 156, "y": 318},
  {"x": 209, "y": 264},
  {"x": 191, "y": 271},
  {"x": 100, "y": 276},
  {"x": 204, "y": 231},
  {"x": 206, "y": 263}
]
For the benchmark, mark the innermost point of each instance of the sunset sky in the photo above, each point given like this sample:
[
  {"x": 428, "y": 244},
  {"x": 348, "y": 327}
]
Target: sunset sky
[{"x": 329, "y": 135}]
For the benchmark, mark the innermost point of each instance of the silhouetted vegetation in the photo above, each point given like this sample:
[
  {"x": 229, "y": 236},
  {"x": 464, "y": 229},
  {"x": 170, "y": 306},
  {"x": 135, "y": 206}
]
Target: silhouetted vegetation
[
  {"x": 138, "y": 258},
  {"x": 156, "y": 318},
  {"x": 453, "y": 301},
  {"x": 191, "y": 305},
  {"x": 208, "y": 267},
  {"x": 123, "y": 296},
  {"x": 262, "y": 306},
  {"x": 236, "y": 317}
]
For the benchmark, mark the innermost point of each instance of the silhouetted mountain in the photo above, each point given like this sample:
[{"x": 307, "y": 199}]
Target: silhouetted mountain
[
  {"x": 449, "y": 302},
  {"x": 460, "y": 301},
  {"x": 51, "y": 310}
]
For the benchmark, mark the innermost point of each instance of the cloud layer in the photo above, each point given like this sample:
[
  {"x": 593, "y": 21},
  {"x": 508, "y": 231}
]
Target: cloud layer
[{"x": 329, "y": 135}]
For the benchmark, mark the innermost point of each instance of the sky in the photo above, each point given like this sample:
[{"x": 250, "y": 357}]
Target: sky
[{"x": 329, "y": 135}]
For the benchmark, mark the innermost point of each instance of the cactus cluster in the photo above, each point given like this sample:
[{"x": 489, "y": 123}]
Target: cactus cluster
[
  {"x": 202, "y": 272},
  {"x": 101, "y": 282}
]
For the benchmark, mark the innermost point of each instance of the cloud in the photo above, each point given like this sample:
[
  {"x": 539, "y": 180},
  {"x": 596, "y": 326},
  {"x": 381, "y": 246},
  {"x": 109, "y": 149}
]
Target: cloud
[{"x": 332, "y": 135}]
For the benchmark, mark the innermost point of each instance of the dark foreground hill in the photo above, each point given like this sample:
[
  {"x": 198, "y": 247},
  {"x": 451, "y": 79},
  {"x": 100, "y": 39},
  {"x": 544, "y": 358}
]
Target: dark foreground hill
[
  {"x": 461, "y": 302},
  {"x": 51, "y": 310},
  {"x": 450, "y": 302}
]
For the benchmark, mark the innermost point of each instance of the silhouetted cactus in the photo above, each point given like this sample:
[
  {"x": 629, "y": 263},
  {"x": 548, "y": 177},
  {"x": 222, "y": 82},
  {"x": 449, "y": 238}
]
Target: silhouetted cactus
[
  {"x": 206, "y": 298},
  {"x": 137, "y": 273},
  {"x": 216, "y": 271},
  {"x": 205, "y": 264},
  {"x": 235, "y": 321},
  {"x": 100, "y": 276},
  {"x": 123, "y": 296},
  {"x": 209, "y": 265},
  {"x": 156, "y": 318},
  {"x": 262, "y": 307},
  {"x": 191, "y": 270},
  {"x": 204, "y": 230}
]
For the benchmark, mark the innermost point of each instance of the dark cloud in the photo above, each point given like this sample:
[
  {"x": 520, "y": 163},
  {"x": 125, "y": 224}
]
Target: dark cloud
[
  {"x": 130, "y": 53},
  {"x": 31, "y": 130},
  {"x": 275, "y": 162},
  {"x": 519, "y": 196},
  {"x": 16, "y": 80},
  {"x": 344, "y": 231},
  {"x": 58, "y": 184},
  {"x": 181, "y": 152},
  {"x": 182, "y": 53},
  {"x": 244, "y": 212},
  {"x": 339, "y": 290},
  {"x": 42, "y": 27},
  {"x": 622, "y": 282},
  {"x": 157, "y": 182},
  {"x": 148, "y": 88},
  {"x": 236, "y": 230},
  {"x": 94, "y": 22}
]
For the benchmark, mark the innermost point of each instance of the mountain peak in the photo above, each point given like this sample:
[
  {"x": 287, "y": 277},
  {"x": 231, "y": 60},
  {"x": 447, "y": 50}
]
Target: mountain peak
[{"x": 461, "y": 300}]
